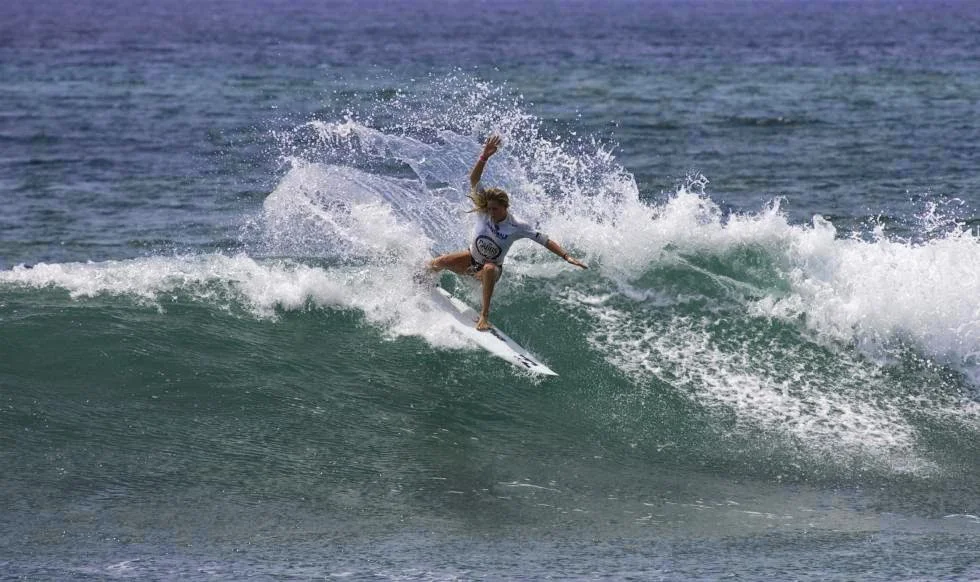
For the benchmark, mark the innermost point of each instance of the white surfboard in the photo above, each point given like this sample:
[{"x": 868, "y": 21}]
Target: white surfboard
[{"x": 493, "y": 340}]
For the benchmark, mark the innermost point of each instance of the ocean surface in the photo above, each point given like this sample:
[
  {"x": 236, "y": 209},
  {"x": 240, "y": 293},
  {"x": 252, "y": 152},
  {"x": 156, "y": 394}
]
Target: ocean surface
[{"x": 215, "y": 364}]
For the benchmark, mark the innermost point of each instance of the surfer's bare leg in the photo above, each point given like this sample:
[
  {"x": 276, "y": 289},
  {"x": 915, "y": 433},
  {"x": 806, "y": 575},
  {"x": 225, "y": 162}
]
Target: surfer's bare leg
[
  {"x": 488, "y": 275},
  {"x": 456, "y": 262}
]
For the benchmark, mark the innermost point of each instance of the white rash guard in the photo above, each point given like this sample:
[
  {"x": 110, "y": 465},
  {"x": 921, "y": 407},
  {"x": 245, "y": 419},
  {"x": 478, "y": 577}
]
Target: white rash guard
[{"x": 491, "y": 240}]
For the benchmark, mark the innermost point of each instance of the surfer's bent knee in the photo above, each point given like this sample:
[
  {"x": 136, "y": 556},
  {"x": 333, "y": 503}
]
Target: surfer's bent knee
[{"x": 492, "y": 269}]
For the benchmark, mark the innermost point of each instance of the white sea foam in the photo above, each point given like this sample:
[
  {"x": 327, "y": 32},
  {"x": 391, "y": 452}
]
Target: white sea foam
[
  {"x": 881, "y": 294},
  {"x": 263, "y": 289}
]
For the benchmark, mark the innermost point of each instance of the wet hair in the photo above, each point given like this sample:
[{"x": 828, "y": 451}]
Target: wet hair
[{"x": 481, "y": 198}]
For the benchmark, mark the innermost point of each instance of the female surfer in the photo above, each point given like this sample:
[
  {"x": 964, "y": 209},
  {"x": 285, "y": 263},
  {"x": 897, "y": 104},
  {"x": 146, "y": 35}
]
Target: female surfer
[{"x": 495, "y": 230}]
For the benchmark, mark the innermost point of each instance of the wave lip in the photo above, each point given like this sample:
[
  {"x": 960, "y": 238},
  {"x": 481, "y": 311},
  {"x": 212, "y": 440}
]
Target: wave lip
[
  {"x": 260, "y": 289},
  {"x": 884, "y": 295},
  {"x": 218, "y": 279}
]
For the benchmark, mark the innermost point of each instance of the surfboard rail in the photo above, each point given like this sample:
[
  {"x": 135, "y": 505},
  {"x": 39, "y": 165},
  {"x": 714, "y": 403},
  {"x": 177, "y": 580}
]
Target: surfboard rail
[{"x": 493, "y": 340}]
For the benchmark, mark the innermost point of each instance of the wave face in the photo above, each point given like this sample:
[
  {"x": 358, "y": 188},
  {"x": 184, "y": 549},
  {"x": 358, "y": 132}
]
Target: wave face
[{"x": 734, "y": 336}]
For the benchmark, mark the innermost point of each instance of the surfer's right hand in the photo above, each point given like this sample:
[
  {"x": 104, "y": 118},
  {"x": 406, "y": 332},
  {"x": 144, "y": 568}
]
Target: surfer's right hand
[{"x": 490, "y": 147}]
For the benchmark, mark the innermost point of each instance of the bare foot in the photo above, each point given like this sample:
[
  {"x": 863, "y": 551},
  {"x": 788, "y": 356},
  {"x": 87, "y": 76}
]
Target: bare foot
[{"x": 483, "y": 324}]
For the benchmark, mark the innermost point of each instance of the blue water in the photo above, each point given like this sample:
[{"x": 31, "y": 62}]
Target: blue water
[{"x": 214, "y": 363}]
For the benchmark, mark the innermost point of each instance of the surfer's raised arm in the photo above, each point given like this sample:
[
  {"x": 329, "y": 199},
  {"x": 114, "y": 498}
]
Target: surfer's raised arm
[
  {"x": 489, "y": 148},
  {"x": 494, "y": 231}
]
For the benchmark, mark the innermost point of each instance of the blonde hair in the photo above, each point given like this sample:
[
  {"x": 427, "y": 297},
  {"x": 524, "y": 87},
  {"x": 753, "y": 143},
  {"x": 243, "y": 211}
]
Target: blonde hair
[{"x": 481, "y": 198}]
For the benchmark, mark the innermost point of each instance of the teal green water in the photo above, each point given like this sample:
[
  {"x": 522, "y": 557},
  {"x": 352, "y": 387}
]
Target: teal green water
[{"x": 190, "y": 433}]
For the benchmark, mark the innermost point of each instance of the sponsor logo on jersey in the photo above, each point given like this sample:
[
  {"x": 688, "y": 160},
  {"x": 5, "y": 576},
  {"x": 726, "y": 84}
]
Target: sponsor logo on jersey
[
  {"x": 496, "y": 230},
  {"x": 487, "y": 247}
]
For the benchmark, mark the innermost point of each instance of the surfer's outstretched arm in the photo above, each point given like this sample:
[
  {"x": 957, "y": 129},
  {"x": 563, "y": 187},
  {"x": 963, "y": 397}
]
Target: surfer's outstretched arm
[
  {"x": 554, "y": 247},
  {"x": 489, "y": 148}
]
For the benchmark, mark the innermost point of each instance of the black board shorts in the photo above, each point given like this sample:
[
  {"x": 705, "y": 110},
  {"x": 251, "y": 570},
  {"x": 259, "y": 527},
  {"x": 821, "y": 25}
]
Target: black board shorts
[{"x": 476, "y": 265}]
